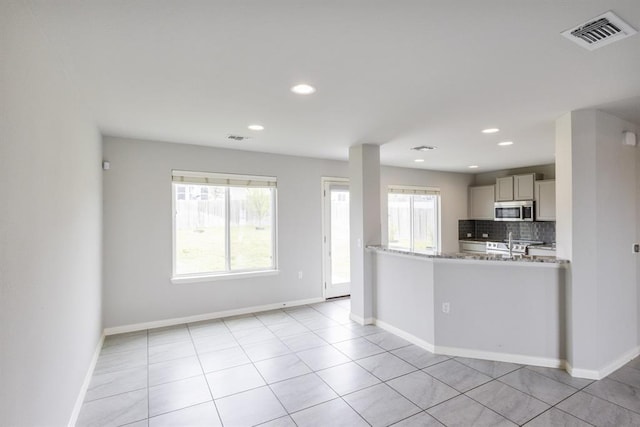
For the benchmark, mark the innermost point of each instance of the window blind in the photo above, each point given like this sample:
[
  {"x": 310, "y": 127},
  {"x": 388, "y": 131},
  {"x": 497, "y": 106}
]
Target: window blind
[
  {"x": 404, "y": 189},
  {"x": 223, "y": 179}
]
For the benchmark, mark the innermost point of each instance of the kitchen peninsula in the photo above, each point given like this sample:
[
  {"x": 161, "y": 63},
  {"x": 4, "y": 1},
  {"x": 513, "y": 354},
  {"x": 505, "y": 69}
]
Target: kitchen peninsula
[{"x": 474, "y": 305}]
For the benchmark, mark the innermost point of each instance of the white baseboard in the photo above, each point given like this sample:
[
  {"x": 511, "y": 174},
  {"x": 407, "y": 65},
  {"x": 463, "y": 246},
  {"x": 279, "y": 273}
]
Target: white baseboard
[
  {"x": 593, "y": 374},
  {"x": 515, "y": 358},
  {"x": 501, "y": 357},
  {"x": 207, "y": 316},
  {"x": 473, "y": 354},
  {"x": 407, "y": 336},
  {"x": 361, "y": 320},
  {"x": 85, "y": 385},
  {"x": 620, "y": 362},
  {"x": 589, "y": 374},
  {"x": 508, "y": 357}
]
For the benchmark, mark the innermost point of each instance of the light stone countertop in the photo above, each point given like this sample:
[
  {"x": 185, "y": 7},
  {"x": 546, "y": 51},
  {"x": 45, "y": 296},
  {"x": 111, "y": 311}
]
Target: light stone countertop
[{"x": 471, "y": 256}]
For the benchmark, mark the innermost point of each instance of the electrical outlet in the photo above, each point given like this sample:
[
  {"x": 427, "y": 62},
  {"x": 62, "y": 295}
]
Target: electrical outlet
[
  {"x": 636, "y": 248},
  {"x": 469, "y": 234},
  {"x": 446, "y": 307},
  {"x": 299, "y": 274},
  {"x": 485, "y": 235}
]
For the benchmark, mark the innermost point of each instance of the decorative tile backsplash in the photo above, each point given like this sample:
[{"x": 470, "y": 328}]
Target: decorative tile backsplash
[
  {"x": 466, "y": 229},
  {"x": 543, "y": 231}
]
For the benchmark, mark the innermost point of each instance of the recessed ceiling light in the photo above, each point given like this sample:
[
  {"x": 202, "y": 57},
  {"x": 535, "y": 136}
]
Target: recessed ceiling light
[
  {"x": 474, "y": 167},
  {"x": 505, "y": 143},
  {"x": 303, "y": 89},
  {"x": 491, "y": 130},
  {"x": 424, "y": 148},
  {"x": 256, "y": 127},
  {"x": 419, "y": 160}
]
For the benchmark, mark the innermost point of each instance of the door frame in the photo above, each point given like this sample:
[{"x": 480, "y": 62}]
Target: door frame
[{"x": 325, "y": 258}]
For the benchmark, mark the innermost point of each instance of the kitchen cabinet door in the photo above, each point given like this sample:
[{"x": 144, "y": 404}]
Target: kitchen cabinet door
[
  {"x": 546, "y": 200},
  {"x": 481, "y": 201},
  {"x": 504, "y": 189},
  {"x": 523, "y": 188}
]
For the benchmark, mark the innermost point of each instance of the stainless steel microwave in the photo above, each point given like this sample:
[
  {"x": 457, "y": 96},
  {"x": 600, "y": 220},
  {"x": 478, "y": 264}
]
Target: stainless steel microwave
[{"x": 514, "y": 211}]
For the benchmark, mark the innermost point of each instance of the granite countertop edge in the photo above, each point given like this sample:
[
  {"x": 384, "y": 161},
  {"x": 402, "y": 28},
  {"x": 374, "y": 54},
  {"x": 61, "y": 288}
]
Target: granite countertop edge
[{"x": 470, "y": 256}]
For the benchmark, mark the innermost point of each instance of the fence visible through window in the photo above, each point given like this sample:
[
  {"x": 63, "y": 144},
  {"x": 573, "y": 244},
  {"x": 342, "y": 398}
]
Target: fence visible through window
[
  {"x": 223, "y": 228},
  {"x": 413, "y": 222}
]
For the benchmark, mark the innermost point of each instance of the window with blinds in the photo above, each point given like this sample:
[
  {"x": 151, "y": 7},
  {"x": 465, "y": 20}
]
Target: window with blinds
[
  {"x": 223, "y": 223},
  {"x": 414, "y": 218}
]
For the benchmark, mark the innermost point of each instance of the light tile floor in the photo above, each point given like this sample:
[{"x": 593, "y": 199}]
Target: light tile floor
[{"x": 312, "y": 366}]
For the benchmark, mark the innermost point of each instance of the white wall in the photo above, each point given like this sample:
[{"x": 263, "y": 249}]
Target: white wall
[
  {"x": 515, "y": 310},
  {"x": 564, "y": 207},
  {"x": 50, "y": 227},
  {"x": 596, "y": 231},
  {"x": 508, "y": 311},
  {"x": 616, "y": 232},
  {"x": 137, "y": 218},
  {"x": 138, "y": 237},
  {"x": 404, "y": 294},
  {"x": 364, "y": 224}
]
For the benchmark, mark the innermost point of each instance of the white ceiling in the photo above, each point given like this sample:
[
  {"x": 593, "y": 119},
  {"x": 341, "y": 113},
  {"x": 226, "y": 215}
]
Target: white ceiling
[{"x": 399, "y": 73}]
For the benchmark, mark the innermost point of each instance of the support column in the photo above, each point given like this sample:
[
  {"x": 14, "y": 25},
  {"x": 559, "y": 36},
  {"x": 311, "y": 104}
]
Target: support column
[
  {"x": 364, "y": 195},
  {"x": 576, "y": 225},
  {"x": 597, "y": 224}
]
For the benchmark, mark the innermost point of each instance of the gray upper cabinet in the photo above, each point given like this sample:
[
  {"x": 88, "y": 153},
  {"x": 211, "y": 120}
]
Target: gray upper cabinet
[
  {"x": 546, "y": 200},
  {"x": 481, "y": 201},
  {"x": 517, "y": 187},
  {"x": 523, "y": 187},
  {"x": 504, "y": 189}
]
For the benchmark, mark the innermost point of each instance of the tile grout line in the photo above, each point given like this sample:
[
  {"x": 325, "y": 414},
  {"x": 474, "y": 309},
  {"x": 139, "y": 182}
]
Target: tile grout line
[
  {"x": 608, "y": 401},
  {"x": 551, "y": 406},
  {"x": 576, "y": 390},
  {"x": 619, "y": 382},
  {"x": 417, "y": 369},
  {"x": 504, "y": 416},
  {"x": 267, "y": 385},
  {"x": 297, "y": 376},
  {"x": 204, "y": 375},
  {"x": 479, "y": 403},
  {"x": 193, "y": 376},
  {"x": 351, "y": 361},
  {"x": 493, "y": 379},
  {"x": 568, "y": 413},
  {"x": 280, "y": 339},
  {"x": 372, "y": 374},
  {"x": 339, "y": 396},
  {"x": 332, "y": 345}
]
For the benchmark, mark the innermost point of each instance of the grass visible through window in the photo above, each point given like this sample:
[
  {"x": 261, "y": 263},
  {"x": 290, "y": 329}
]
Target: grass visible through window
[{"x": 201, "y": 250}]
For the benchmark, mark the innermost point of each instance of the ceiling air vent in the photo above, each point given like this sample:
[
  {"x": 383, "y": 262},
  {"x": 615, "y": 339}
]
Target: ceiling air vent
[
  {"x": 600, "y": 31},
  {"x": 424, "y": 148},
  {"x": 237, "y": 137}
]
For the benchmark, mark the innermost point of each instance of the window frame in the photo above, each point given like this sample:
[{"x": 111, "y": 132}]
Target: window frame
[
  {"x": 228, "y": 273},
  {"x": 417, "y": 191}
]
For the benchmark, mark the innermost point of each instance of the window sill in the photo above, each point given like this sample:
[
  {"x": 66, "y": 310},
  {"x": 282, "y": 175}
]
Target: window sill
[{"x": 223, "y": 276}]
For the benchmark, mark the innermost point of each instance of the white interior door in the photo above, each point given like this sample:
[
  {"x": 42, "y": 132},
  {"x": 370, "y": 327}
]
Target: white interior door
[{"x": 336, "y": 253}]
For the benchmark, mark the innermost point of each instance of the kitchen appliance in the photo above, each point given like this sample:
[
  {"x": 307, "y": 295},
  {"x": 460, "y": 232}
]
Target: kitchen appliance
[
  {"x": 514, "y": 211},
  {"x": 518, "y": 247}
]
